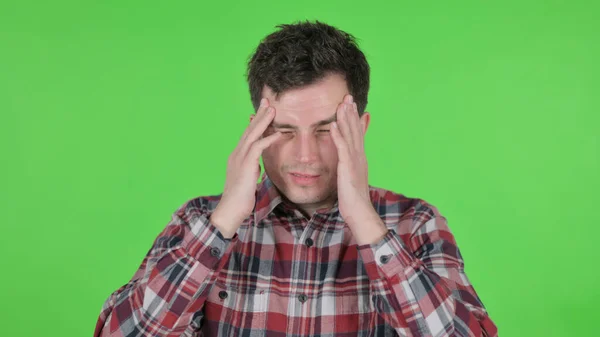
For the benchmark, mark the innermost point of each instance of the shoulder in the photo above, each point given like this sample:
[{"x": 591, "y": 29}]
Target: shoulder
[
  {"x": 404, "y": 214},
  {"x": 197, "y": 206}
]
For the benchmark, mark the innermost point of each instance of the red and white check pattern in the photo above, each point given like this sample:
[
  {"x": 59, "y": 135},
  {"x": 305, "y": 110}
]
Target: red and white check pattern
[{"x": 285, "y": 275}]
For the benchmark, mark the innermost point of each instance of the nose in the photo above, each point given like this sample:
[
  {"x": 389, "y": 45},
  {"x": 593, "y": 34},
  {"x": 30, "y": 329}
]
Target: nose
[{"x": 306, "y": 148}]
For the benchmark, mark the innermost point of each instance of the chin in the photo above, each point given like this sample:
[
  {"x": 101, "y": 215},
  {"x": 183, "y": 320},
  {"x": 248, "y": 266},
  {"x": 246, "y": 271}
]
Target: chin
[
  {"x": 305, "y": 199},
  {"x": 306, "y": 194}
]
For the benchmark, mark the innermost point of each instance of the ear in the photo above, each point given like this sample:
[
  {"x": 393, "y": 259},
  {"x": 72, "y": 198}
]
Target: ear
[{"x": 365, "y": 119}]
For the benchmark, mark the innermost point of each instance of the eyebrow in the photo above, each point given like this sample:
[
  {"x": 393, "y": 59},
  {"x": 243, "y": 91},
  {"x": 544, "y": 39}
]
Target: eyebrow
[{"x": 319, "y": 123}]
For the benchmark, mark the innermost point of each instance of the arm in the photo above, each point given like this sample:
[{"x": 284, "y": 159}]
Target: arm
[
  {"x": 422, "y": 288},
  {"x": 173, "y": 281}
]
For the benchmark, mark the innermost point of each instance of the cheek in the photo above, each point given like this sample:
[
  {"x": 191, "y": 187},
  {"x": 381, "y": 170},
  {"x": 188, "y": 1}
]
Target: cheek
[
  {"x": 328, "y": 152},
  {"x": 282, "y": 152},
  {"x": 273, "y": 154},
  {"x": 269, "y": 154},
  {"x": 326, "y": 144}
]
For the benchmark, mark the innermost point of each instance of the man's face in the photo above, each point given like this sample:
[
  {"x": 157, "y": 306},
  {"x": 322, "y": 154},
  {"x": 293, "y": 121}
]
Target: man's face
[{"x": 306, "y": 147}]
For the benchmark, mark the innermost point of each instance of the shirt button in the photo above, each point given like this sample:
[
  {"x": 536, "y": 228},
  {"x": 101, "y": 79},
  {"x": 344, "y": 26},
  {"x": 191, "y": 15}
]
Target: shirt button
[
  {"x": 222, "y": 294},
  {"x": 215, "y": 251},
  {"x": 384, "y": 259},
  {"x": 309, "y": 242},
  {"x": 302, "y": 298}
]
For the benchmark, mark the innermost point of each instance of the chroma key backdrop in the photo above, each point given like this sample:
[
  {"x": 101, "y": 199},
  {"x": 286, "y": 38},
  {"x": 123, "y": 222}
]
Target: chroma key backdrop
[{"x": 114, "y": 113}]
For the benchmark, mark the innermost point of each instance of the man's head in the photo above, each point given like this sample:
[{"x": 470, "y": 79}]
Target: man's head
[{"x": 305, "y": 70}]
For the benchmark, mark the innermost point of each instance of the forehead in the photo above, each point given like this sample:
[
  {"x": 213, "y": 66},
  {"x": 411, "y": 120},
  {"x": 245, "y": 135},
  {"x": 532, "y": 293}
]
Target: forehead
[{"x": 309, "y": 104}]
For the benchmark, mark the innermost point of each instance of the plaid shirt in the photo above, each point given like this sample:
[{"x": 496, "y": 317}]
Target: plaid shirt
[{"x": 285, "y": 275}]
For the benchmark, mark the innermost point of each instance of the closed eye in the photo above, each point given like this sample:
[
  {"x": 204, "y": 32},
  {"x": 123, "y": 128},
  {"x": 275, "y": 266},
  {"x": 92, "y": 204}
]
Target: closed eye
[{"x": 288, "y": 132}]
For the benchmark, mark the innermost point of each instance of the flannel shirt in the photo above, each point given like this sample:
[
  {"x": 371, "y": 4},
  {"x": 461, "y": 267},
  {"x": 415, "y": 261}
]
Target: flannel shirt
[{"x": 285, "y": 275}]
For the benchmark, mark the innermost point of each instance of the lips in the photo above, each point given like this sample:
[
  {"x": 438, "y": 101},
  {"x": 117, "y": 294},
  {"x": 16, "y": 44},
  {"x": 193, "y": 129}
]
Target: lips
[
  {"x": 304, "y": 175},
  {"x": 303, "y": 179}
]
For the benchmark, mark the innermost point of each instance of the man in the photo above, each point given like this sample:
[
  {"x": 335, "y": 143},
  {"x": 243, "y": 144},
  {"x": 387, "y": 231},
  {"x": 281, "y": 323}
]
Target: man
[{"x": 313, "y": 249}]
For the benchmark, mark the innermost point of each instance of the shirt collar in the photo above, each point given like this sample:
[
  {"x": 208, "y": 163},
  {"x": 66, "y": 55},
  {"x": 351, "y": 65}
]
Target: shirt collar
[{"x": 268, "y": 197}]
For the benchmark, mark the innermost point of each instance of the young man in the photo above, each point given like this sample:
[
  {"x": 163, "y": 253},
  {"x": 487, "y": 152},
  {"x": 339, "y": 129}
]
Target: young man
[{"x": 313, "y": 249}]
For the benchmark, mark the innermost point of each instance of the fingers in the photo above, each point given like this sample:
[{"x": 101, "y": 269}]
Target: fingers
[
  {"x": 262, "y": 110},
  {"x": 257, "y": 127},
  {"x": 260, "y": 125},
  {"x": 343, "y": 125},
  {"x": 355, "y": 127},
  {"x": 340, "y": 143},
  {"x": 259, "y": 146},
  {"x": 348, "y": 135}
]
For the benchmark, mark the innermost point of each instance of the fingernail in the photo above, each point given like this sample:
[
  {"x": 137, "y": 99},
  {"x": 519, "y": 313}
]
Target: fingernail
[
  {"x": 334, "y": 125},
  {"x": 263, "y": 102},
  {"x": 350, "y": 99}
]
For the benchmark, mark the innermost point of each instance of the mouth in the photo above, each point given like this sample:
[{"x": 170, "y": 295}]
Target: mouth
[
  {"x": 304, "y": 175},
  {"x": 303, "y": 178}
]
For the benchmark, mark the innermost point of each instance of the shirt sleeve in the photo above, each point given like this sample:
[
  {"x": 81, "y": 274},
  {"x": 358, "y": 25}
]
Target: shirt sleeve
[
  {"x": 420, "y": 287},
  {"x": 170, "y": 287}
]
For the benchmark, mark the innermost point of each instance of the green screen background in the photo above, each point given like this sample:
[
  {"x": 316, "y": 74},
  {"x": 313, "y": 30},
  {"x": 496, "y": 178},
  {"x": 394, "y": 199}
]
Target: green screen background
[{"x": 114, "y": 114}]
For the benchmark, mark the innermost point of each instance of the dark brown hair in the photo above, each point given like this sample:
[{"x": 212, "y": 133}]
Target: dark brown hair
[{"x": 303, "y": 53}]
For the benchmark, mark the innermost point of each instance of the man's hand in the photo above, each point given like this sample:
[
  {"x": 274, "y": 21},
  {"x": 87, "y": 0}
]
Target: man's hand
[
  {"x": 354, "y": 201},
  {"x": 243, "y": 170}
]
